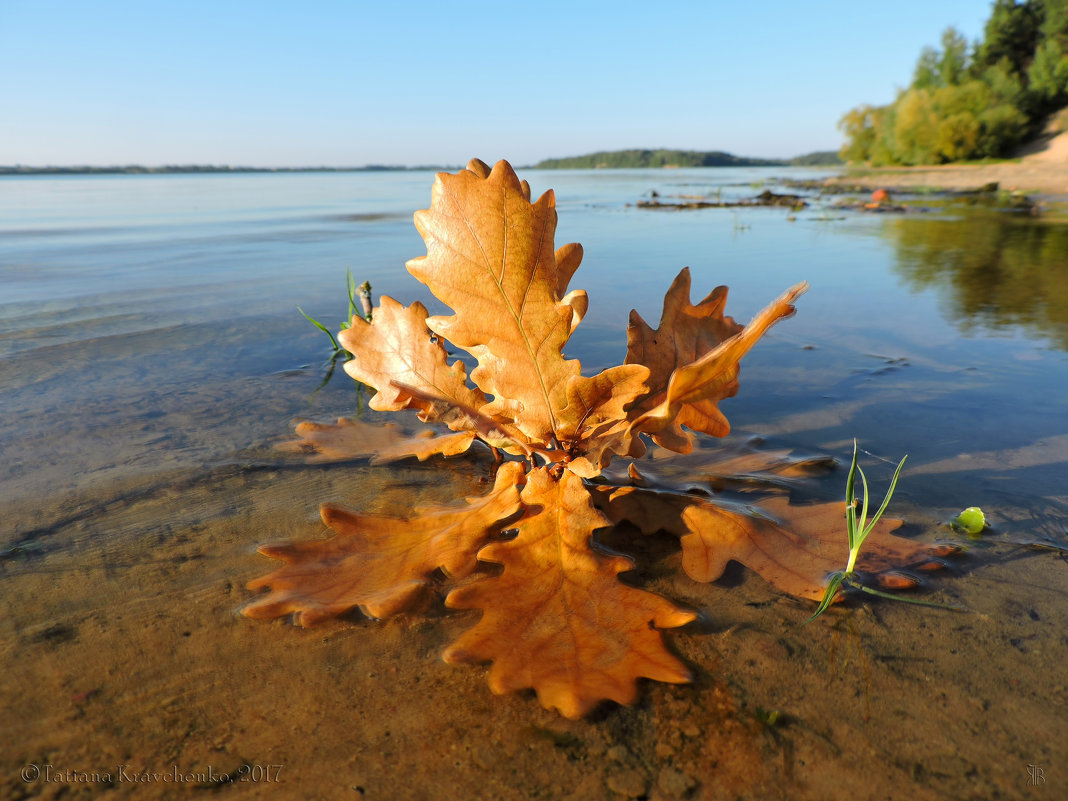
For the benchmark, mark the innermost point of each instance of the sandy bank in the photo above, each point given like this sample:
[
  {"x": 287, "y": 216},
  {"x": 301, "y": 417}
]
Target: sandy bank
[{"x": 1044, "y": 171}]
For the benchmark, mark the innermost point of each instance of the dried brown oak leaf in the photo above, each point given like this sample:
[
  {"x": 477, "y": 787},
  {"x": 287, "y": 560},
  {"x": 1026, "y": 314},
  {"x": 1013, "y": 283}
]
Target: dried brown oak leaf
[
  {"x": 792, "y": 547},
  {"x": 350, "y": 438},
  {"x": 397, "y": 350},
  {"x": 558, "y": 619},
  {"x": 686, "y": 332},
  {"x": 345, "y": 439},
  {"x": 490, "y": 258},
  {"x": 695, "y": 385},
  {"x": 381, "y": 564}
]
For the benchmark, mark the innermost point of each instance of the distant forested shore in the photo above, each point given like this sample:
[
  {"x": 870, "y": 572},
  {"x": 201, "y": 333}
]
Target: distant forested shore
[
  {"x": 613, "y": 159},
  {"x": 629, "y": 159},
  {"x": 181, "y": 169}
]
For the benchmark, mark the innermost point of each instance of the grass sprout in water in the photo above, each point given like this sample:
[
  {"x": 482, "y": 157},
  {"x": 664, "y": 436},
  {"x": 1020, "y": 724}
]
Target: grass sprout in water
[
  {"x": 361, "y": 293},
  {"x": 858, "y": 527}
]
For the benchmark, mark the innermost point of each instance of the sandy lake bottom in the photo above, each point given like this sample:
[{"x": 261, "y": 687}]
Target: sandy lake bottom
[{"x": 139, "y": 476}]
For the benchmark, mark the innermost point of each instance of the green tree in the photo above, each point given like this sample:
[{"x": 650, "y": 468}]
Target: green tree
[
  {"x": 915, "y": 128},
  {"x": 927, "y": 74},
  {"x": 966, "y": 103},
  {"x": 1011, "y": 34},
  {"x": 1048, "y": 76},
  {"x": 954, "y": 60},
  {"x": 859, "y": 128}
]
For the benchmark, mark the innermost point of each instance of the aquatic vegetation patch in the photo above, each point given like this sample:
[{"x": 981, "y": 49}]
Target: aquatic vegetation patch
[{"x": 555, "y": 615}]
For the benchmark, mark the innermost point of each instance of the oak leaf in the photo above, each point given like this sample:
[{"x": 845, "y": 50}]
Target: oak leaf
[
  {"x": 346, "y": 439},
  {"x": 350, "y": 438},
  {"x": 422, "y": 447},
  {"x": 490, "y": 258},
  {"x": 736, "y": 466},
  {"x": 396, "y": 350},
  {"x": 685, "y": 333},
  {"x": 594, "y": 423},
  {"x": 694, "y": 389},
  {"x": 792, "y": 547},
  {"x": 558, "y": 619},
  {"x": 495, "y": 432},
  {"x": 381, "y": 564},
  {"x": 650, "y": 510}
]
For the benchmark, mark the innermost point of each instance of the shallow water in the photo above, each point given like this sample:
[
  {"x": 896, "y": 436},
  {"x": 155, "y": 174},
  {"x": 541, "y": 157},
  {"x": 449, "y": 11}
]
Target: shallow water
[{"x": 151, "y": 356}]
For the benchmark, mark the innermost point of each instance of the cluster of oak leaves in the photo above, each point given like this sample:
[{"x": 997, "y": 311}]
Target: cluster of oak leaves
[{"x": 556, "y": 618}]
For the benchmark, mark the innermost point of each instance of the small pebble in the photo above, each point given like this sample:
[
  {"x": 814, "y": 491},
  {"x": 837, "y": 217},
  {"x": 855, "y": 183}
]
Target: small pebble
[
  {"x": 945, "y": 549},
  {"x": 931, "y": 565},
  {"x": 627, "y": 783},
  {"x": 485, "y": 758},
  {"x": 664, "y": 750},
  {"x": 674, "y": 782},
  {"x": 893, "y": 580}
]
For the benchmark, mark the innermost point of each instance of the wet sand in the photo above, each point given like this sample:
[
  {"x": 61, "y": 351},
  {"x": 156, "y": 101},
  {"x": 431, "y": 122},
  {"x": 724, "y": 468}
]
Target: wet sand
[{"x": 128, "y": 654}]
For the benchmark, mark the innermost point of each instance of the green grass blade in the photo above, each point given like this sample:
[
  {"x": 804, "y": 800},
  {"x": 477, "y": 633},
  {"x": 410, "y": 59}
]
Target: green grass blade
[
  {"x": 352, "y": 293},
  {"x": 321, "y": 327},
  {"x": 889, "y": 494},
  {"x": 916, "y": 601},
  {"x": 828, "y": 597},
  {"x": 861, "y": 531},
  {"x": 851, "y": 498}
]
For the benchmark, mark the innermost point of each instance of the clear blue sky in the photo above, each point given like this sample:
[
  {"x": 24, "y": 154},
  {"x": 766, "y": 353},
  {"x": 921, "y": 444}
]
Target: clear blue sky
[{"x": 321, "y": 82}]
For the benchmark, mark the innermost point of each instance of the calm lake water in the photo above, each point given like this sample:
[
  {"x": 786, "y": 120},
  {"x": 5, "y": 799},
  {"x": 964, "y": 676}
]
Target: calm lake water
[{"x": 151, "y": 356}]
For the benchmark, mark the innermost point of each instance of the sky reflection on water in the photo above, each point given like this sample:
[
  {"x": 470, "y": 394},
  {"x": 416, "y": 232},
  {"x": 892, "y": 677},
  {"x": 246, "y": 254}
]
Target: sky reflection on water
[{"x": 938, "y": 324}]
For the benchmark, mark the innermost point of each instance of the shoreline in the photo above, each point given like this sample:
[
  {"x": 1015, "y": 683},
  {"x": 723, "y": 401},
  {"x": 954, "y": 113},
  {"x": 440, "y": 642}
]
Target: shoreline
[
  {"x": 1045, "y": 180},
  {"x": 1043, "y": 172}
]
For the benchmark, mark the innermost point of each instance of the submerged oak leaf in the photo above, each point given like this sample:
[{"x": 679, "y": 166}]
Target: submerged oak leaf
[
  {"x": 490, "y": 258},
  {"x": 792, "y": 547},
  {"x": 350, "y": 438},
  {"x": 649, "y": 510},
  {"x": 745, "y": 465},
  {"x": 558, "y": 619},
  {"x": 381, "y": 564},
  {"x": 737, "y": 466},
  {"x": 423, "y": 447},
  {"x": 346, "y": 439}
]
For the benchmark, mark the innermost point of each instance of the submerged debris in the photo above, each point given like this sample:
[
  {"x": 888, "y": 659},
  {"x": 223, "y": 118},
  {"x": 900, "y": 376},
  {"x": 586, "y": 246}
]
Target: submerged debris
[{"x": 765, "y": 198}]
